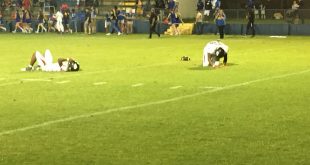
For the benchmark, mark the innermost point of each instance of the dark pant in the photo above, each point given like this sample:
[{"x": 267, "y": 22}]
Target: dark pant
[
  {"x": 199, "y": 27},
  {"x": 221, "y": 31},
  {"x": 152, "y": 29},
  {"x": 250, "y": 26}
]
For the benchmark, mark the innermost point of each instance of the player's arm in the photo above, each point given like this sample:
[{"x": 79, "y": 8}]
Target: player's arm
[
  {"x": 60, "y": 60},
  {"x": 209, "y": 59},
  {"x": 225, "y": 59}
]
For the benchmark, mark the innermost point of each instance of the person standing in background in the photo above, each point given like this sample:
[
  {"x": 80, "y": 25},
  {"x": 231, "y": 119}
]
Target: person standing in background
[
  {"x": 153, "y": 23},
  {"x": 220, "y": 20},
  {"x": 199, "y": 24},
  {"x": 250, "y": 25}
]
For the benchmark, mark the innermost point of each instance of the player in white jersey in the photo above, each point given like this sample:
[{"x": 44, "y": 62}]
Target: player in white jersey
[
  {"x": 212, "y": 53},
  {"x": 59, "y": 25},
  {"x": 45, "y": 63}
]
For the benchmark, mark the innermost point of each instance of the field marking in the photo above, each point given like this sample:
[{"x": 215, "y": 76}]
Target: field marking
[
  {"x": 33, "y": 79},
  {"x": 209, "y": 87},
  {"x": 137, "y": 85},
  {"x": 71, "y": 118},
  {"x": 176, "y": 87},
  {"x": 63, "y": 82},
  {"x": 99, "y": 83},
  {"x": 94, "y": 72}
]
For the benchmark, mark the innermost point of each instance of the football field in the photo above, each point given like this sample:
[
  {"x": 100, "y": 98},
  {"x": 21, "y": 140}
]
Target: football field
[{"x": 135, "y": 102}]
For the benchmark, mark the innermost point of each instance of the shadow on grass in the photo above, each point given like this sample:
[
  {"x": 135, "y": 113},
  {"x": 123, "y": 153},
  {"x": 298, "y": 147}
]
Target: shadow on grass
[{"x": 199, "y": 67}]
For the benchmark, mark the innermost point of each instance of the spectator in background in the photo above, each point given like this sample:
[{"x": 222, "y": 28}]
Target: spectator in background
[
  {"x": 173, "y": 20},
  {"x": 218, "y": 4},
  {"x": 74, "y": 20},
  {"x": 200, "y": 5},
  {"x": 129, "y": 22},
  {"x": 27, "y": 21},
  {"x": 220, "y": 20},
  {"x": 121, "y": 22},
  {"x": 250, "y": 4},
  {"x": 93, "y": 19},
  {"x": 107, "y": 23},
  {"x": 300, "y": 13},
  {"x": 2, "y": 22},
  {"x": 87, "y": 22},
  {"x": 66, "y": 18},
  {"x": 171, "y": 5},
  {"x": 153, "y": 22},
  {"x": 59, "y": 25},
  {"x": 262, "y": 11},
  {"x": 250, "y": 25},
  {"x": 208, "y": 8},
  {"x": 114, "y": 23},
  {"x": 18, "y": 22},
  {"x": 139, "y": 9},
  {"x": 26, "y": 4},
  {"x": 41, "y": 22},
  {"x": 199, "y": 24}
]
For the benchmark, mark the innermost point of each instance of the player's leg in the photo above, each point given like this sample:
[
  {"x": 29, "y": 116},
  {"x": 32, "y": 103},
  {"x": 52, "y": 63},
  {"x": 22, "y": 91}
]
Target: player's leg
[
  {"x": 48, "y": 57},
  {"x": 36, "y": 57}
]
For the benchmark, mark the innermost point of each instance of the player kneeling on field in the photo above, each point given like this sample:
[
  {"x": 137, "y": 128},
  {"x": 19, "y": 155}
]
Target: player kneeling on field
[
  {"x": 212, "y": 53},
  {"x": 45, "y": 63}
]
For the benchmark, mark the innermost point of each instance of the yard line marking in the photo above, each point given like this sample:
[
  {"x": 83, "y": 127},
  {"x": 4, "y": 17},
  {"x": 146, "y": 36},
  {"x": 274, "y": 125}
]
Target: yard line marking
[
  {"x": 137, "y": 85},
  {"x": 63, "y": 82},
  {"x": 33, "y": 79},
  {"x": 176, "y": 87},
  {"x": 209, "y": 87},
  {"x": 120, "y": 109},
  {"x": 96, "y": 72},
  {"x": 100, "y": 83}
]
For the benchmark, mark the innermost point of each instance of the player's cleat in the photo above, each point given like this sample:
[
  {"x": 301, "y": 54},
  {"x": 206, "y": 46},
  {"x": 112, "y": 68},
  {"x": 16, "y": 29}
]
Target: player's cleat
[
  {"x": 119, "y": 33},
  {"x": 108, "y": 34},
  {"x": 28, "y": 68}
]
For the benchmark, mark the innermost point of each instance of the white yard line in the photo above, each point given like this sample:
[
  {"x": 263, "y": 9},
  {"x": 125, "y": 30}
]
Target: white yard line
[
  {"x": 100, "y": 83},
  {"x": 209, "y": 87},
  {"x": 137, "y": 85},
  {"x": 176, "y": 87},
  {"x": 67, "y": 75},
  {"x": 63, "y": 82},
  {"x": 71, "y": 118},
  {"x": 33, "y": 79}
]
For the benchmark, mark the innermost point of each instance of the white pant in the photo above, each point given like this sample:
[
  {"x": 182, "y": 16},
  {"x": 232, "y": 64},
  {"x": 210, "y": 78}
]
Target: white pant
[
  {"x": 59, "y": 26},
  {"x": 46, "y": 61}
]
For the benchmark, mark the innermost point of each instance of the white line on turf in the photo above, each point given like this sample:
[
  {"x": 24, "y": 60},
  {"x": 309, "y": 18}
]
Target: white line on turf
[
  {"x": 32, "y": 79},
  {"x": 100, "y": 83},
  {"x": 96, "y": 72},
  {"x": 63, "y": 82},
  {"x": 176, "y": 87},
  {"x": 209, "y": 87},
  {"x": 137, "y": 85},
  {"x": 71, "y": 118}
]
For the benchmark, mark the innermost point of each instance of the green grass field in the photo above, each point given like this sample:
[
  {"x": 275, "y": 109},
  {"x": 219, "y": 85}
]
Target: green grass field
[{"x": 136, "y": 103}]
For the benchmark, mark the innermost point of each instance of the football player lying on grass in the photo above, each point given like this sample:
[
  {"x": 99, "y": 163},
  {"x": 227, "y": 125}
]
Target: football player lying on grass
[
  {"x": 213, "y": 52},
  {"x": 45, "y": 63}
]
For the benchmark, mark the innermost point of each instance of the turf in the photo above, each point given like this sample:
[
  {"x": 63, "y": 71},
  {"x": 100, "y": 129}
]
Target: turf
[{"x": 258, "y": 112}]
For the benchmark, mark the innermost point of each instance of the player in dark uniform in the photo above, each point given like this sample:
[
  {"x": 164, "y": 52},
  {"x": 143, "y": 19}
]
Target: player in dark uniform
[
  {"x": 153, "y": 22},
  {"x": 251, "y": 18}
]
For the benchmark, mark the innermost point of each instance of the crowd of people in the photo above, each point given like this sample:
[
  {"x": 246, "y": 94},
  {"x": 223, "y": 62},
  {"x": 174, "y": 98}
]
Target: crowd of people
[{"x": 119, "y": 22}]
